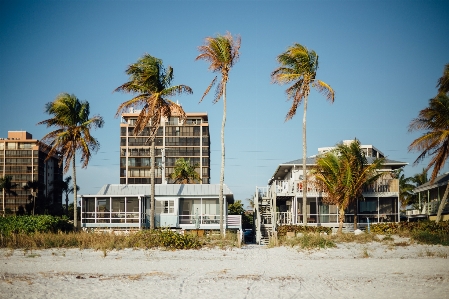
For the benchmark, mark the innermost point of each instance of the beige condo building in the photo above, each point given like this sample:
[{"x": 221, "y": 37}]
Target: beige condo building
[
  {"x": 189, "y": 140},
  {"x": 23, "y": 158}
]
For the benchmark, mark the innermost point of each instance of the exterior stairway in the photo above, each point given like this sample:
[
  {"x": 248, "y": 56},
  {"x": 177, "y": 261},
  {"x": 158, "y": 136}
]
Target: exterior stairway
[{"x": 266, "y": 227}]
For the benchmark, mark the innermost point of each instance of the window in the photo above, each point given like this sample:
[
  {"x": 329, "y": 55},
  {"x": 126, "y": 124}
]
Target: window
[
  {"x": 165, "y": 206},
  {"x": 11, "y": 145},
  {"x": 131, "y": 162},
  {"x": 25, "y": 145}
]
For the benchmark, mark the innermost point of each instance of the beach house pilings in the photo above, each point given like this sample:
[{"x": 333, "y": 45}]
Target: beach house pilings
[
  {"x": 280, "y": 202},
  {"x": 429, "y": 199},
  {"x": 177, "y": 206}
]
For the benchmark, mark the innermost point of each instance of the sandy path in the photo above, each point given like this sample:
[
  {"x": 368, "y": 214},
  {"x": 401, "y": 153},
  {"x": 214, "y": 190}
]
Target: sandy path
[{"x": 251, "y": 272}]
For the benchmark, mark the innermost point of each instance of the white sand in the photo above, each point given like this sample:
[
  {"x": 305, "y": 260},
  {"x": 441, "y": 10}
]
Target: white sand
[{"x": 414, "y": 271}]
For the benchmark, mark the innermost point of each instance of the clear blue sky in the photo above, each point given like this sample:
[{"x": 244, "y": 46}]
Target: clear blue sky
[{"x": 383, "y": 59}]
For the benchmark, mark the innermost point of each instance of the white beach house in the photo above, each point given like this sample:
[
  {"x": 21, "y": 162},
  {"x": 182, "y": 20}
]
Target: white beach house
[
  {"x": 177, "y": 206},
  {"x": 280, "y": 203}
]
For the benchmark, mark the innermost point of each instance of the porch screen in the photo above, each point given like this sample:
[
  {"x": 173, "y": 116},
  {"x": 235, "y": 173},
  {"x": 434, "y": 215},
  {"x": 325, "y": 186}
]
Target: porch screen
[
  {"x": 210, "y": 207},
  {"x": 190, "y": 206},
  {"x": 368, "y": 206}
]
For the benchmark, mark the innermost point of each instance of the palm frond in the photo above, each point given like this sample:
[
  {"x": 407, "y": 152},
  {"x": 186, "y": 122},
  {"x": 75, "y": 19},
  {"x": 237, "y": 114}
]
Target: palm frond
[
  {"x": 443, "y": 82},
  {"x": 298, "y": 65},
  {"x": 325, "y": 89},
  {"x": 208, "y": 89},
  {"x": 221, "y": 52},
  {"x": 434, "y": 142}
]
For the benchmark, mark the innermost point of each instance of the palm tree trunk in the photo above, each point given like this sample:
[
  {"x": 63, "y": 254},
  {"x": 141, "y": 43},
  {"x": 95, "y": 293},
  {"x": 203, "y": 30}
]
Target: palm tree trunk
[
  {"x": 220, "y": 198},
  {"x": 442, "y": 204},
  {"x": 34, "y": 204},
  {"x": 355, "y": 213},
  {"x": 3, "y": 195},
  {"x": 341, "y": 219},
  {"x": 152, "y": 177},
  {"x": 75, "y": 204},
  {"x": 34, "y": 199},
  {"x": 67, "y": 204},
  {"x": 304, "y": 157}
]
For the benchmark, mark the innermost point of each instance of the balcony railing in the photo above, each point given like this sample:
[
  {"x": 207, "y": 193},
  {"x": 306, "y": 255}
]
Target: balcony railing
[
  {"x": 383, "y": 185},
  {"x": 284, "y": 218},
  {"x": 295, "y": 187},
  {"x": 198, "y": 220},
  {"x": 188, "y": 122},
  {"x": 292, "y": 187}
]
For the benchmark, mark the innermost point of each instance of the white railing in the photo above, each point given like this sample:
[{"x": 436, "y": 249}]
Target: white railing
[
  {"x": 231, "y": 220},
  {"x": 283, "y": 218},
  {"x": 108, "y": 217},
  {"x": 262, "y": 191},
  {"x": 234, "y": 220},
  {"x": 295, "y": 186},
  {"x": 200, "y": 219}
]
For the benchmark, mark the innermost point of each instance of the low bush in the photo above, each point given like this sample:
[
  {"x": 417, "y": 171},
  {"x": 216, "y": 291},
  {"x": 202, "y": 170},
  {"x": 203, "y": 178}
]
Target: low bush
[
  {"x": 428, "y": 232},
  {"x": 309, "y": 241},
  {"x": 282, "y": 230},
  {"x": 34, "y": 224},
  {"x": 163, "y": 238},
  {"x": 351, "y": 237},
  {"x": 146, "y": 239}
]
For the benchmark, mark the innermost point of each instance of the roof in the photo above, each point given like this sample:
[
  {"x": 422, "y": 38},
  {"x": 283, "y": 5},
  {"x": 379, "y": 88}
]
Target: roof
[
  {"x": 311, "y": 161},
  {"x": 165, "y": 190},
  {"x": 439, "y": 181}
]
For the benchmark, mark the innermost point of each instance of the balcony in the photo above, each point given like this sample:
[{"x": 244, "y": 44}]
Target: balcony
[
  {"x": 295, "y": 188},
  {"x": 381, "y": 187}
]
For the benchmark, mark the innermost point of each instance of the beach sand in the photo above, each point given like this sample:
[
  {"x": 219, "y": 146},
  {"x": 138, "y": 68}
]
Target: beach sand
[{"x": 373, "y": 270}]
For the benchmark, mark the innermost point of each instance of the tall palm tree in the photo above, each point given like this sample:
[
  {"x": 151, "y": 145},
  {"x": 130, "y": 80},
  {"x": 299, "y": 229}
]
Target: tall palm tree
[
  {"x": 434, "y": 142},
  {"x": 343, "y": 173},
  {"x": 33, "y": 186},
  {"x": 222, "y": 52},
  {"x": 152, "y": 83},
  {"x": 66, "y": 188},
  {"x": 298, "y": 66},
  {"x": 7, "y": 186},
  {"x": 184, "y": 172},
  {"x": 72, "y": 134}
]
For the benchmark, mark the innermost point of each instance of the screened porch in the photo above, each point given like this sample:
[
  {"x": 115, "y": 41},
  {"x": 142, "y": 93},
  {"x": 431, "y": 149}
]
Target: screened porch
[{"x": 371, "y": 210}]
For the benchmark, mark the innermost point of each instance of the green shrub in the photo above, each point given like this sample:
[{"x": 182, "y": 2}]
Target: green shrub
[
  {"x": 428, "y": 232},
  {"x": 163, "y": 238},
  {"x": 33, "y": 224}
]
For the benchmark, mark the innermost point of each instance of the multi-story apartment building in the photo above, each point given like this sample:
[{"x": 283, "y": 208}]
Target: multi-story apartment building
[
  {"x": 280, "y": 203},
  {"x": 23, "y": 158},
  {"x": 189, "y": 140}
]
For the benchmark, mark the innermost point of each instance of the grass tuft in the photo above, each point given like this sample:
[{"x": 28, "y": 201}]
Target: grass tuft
[{"x": 309, "y": 241}]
